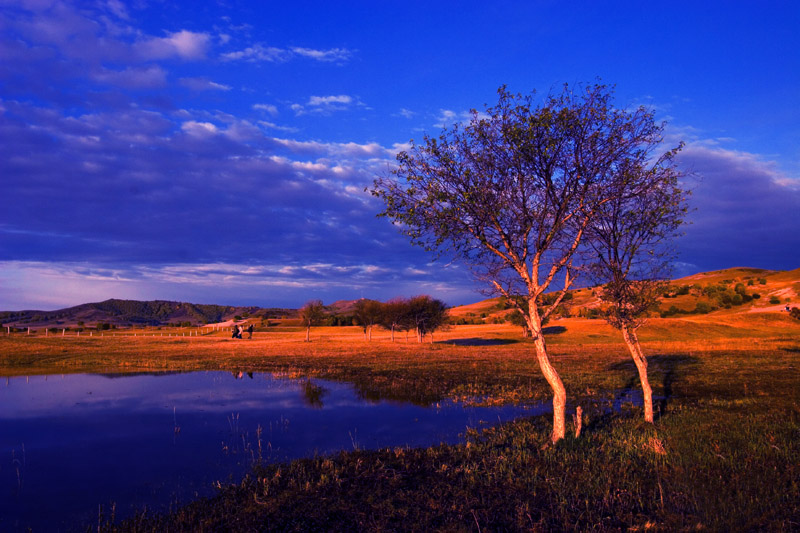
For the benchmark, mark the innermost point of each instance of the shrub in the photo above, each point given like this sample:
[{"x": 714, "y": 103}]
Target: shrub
[
  {"x": 795, "y": 313},
  {"x": 774, "y": 300},
  {"x": 703, "y": 308},
  {"x": 593, "y": 312}
]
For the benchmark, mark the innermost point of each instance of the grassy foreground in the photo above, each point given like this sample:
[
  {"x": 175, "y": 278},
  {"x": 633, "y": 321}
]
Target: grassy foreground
[{"x": 724, "y": 454}]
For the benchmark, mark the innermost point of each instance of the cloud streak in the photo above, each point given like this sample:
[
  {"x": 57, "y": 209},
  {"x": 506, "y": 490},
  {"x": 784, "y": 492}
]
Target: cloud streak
[{"x": 261, "y": 53}]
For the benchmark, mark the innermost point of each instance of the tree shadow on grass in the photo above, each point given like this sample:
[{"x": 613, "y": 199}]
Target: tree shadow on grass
[
  {"x": 791, "y": 350},
  {"x": 553, "y": 330},
  {"x": 664, "y": 369},
  {"x": 477, "y": 341}
]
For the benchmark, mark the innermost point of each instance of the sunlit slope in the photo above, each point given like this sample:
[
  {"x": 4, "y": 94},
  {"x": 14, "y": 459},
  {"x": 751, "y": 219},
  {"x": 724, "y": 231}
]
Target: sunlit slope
[{"x": 731, "y": 291}]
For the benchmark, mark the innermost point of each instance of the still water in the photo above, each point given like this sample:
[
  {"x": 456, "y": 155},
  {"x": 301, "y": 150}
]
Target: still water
[{"x": 76, "y": 445}]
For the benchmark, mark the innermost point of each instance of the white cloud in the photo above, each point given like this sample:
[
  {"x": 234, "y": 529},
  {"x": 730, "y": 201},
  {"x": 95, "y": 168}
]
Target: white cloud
[
  {"x": 325, "y": 105},
  {"x": 260, "y": 52},
  {"x": 349, "y": 150},
  {"x": 448, "y": 117},
  {"x": 203, "y": 84},
  {"x": 328, "y": 100},
  {"x": 198, "y": 128},
  {"x": 268, "y": 108},
  {"x": 273, "y": 126},
  {"x": 183, "y": 44},
  {"x": 332, "y": 55}
]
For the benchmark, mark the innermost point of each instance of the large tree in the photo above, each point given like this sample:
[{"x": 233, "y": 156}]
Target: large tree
[
  {"x": 512, "y": 192},
  {"x": 631, "y": 253}
]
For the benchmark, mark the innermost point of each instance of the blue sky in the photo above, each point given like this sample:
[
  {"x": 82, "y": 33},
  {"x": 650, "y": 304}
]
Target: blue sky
[{"x": 217, "y": 152}]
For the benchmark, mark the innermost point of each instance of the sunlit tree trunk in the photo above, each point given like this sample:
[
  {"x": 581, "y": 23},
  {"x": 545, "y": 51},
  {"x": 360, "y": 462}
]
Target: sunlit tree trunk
[
  {"x": 551, "y": 375},
  {"x": 632, "y": 341},
  {"x": 559, "y": 391},
  {"x": 308, "y": 334}
]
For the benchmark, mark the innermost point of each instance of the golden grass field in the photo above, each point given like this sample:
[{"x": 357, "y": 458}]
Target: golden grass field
[{"x": 461, "y": 362}]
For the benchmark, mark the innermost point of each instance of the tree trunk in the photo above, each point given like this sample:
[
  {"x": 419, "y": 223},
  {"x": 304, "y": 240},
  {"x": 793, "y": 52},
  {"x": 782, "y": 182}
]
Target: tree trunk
[
  {"x": 629, "y": 334},
  {"x": 370, "y": 333},
  {"x": 392, "y": 332},
  {"x": 553, "y": 379},
  {"x": 308, "y": 334}
]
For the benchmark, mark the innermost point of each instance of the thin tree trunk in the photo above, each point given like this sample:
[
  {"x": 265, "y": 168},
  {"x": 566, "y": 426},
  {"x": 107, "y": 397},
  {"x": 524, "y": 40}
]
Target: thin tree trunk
[
  {"x": 629, "y": 334},
  {"x": 308, "y": 334},
  {"x": 392, "y": 332},
  {"x": 559, "y": 391},
  {"x": 370, "y": 333}
]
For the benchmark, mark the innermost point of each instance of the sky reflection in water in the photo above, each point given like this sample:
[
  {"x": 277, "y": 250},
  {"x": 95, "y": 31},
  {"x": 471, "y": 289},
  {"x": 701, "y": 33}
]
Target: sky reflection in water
[{"x": 71, "y": 443}]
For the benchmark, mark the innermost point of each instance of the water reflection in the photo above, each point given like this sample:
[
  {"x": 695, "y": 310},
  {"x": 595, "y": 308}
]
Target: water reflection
[{"x": 69, "y": 443}]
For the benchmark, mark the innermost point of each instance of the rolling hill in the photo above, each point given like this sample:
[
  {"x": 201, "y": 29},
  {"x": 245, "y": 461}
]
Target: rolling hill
[
  {"x": 730, "y": 291},
  {"x": 133, "y": 312}
]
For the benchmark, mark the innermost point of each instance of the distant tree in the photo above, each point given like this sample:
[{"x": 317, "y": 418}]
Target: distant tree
[
  {"x": 395, "y": 315},
  {"x": 426, "y": 314},
  {"x": 367, "y": 314},
  {"x": 512, "y": 192},
  {"x": 629, "y": 238},
  {"x": 312, "y": 314},
  {"x": 518, "y": 319}
]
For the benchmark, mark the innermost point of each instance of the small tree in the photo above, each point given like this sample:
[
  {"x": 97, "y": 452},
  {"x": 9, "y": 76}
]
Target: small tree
[
  {"x": 312, "y": 314},
  {"x": 426, "y": 314},
  {"x": 512, "y": 192},
  {"x": 628, "y": 238},
  {"x": 394, "y": 315},
  {"x": 367, "y": 314}
]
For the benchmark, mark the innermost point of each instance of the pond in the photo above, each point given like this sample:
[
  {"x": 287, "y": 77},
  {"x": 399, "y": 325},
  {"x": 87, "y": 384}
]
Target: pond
[{"x": 75, "y": 446}]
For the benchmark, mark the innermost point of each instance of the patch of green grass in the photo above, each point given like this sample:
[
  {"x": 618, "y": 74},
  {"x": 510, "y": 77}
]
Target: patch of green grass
[{"x": 689, "y": 471}]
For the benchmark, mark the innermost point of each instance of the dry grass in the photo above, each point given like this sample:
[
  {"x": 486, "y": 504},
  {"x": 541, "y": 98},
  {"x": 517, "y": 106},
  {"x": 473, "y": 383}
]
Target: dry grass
[{"x": 491, "y": 362}]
